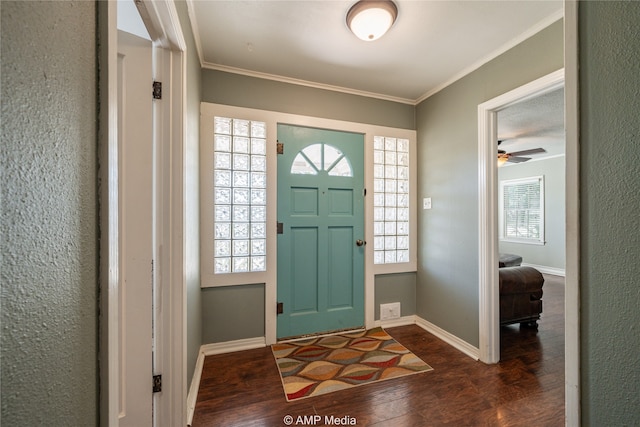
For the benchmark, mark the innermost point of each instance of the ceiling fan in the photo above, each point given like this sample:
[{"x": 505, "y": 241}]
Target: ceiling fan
[{"x": 516, "y": 156}]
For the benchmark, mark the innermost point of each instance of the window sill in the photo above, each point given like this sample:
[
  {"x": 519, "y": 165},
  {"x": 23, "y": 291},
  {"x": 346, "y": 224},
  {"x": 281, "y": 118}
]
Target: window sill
[{"x": 524, "y": 241}]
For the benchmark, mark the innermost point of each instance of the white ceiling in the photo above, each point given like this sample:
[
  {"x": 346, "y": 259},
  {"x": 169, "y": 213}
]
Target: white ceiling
[
  {"x": 534, "y": 123},
  {"x": 431, "y": 44}
]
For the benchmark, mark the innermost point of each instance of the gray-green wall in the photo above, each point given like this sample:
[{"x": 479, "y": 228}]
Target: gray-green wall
[
  {"x": 49, "y": 214},
  {"x": 609, "y": 50},
  {"x": 552, "y": 253},
  {"x": 234, "y": 89},
  {"x": 447, "y": 125},
  {"x": 192, "y": 193}
]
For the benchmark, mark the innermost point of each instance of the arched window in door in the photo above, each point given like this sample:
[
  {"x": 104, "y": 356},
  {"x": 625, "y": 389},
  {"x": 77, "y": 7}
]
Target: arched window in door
[{"x": 321, "y": 157}]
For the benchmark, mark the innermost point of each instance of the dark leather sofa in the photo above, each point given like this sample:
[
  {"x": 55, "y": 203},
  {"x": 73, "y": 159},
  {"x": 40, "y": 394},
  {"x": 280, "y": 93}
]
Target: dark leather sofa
[{"x": 520, "y": 295}]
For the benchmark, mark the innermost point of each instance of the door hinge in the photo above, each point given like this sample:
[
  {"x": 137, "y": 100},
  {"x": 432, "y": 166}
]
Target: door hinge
[
  {"x": 157, "y": 383},
  {"x": 157, "y": 90},
  {"x": 279, "y": 228},
  {"x": 279, "y": 147},
  {"x": 364, "y": 192},
  {"x": 279, "y": 308}
]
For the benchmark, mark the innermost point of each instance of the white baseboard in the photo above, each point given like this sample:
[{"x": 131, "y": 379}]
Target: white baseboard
[
  {"x": 192, "y": 397},
  {"x": 546, "y": 270},
  {"x": 450, "y": 339},
  {"x": 231, "y": 346},
  {"x": 401, "y": 321},
  {"x": 210, "y": 350}
]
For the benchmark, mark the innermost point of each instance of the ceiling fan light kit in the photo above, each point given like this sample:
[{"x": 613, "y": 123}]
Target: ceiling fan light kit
[
  {"x": 516, "y": 156},
  {"x": 371, "y": 19}
]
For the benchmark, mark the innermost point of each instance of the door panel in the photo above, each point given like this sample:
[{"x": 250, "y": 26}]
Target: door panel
[
  {"x": 135, "y": 151},
  {"x": 321, "y": 206}
]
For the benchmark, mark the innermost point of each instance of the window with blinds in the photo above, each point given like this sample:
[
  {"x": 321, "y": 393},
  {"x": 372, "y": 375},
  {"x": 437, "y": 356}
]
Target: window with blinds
[{"x": 522, "y": 210}]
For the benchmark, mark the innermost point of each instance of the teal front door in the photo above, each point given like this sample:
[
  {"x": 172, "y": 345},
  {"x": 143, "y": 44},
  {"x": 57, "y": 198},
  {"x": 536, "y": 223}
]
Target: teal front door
[{"x": 321, "y": 245}]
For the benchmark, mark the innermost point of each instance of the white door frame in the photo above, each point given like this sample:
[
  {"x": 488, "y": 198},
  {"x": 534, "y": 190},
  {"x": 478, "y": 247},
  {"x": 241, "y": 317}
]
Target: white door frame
[
  {"x": 161, "y": 19},
  {"x": 489, "y": 309}
]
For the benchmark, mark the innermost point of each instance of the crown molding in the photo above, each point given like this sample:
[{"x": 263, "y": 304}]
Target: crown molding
[
  {"x": 299, "y": 82},
  {"x": 541, "y": 25}
]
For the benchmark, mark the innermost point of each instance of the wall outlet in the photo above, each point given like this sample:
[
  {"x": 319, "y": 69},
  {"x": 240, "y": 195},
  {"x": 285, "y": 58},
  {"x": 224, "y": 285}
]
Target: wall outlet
[
  {"x": 390, "y": 311},
  {"x": 426, "y": 203}
]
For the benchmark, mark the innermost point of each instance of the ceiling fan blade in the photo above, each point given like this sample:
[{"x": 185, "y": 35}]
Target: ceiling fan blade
[
  {"x": 527, "y": 152},
  {"x": 514, "y": 159}
]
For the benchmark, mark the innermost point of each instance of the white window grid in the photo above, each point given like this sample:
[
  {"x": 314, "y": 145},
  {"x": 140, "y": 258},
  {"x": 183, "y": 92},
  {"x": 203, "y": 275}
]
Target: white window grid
[
  {"x": 522, "y": 209},
  {"x": 391, "y": 200},
  {"x": 240, "y": 195}
]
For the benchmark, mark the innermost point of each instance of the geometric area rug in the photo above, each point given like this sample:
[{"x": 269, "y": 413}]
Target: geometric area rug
[{"x": 320, "y": 365}]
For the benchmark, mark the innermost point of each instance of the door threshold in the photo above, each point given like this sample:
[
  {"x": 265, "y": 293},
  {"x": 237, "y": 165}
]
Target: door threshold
[{"x": 320, "y": 334}]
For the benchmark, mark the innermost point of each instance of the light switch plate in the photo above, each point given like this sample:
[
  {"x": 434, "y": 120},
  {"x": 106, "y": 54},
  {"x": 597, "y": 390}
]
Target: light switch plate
[{"x": 426, "y": 203}]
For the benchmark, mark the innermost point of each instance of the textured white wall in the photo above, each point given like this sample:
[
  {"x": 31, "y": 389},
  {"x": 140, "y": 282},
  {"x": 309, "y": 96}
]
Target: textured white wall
[{"x": 49, "y": 214}]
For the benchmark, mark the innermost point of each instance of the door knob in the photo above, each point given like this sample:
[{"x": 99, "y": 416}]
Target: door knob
[{"x": 360, "y": 242}]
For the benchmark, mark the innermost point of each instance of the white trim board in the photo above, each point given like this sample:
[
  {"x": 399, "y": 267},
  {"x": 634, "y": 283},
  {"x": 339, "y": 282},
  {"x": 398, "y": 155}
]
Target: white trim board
[
  {"x": 489, "y": 308},
  {"x": 546, "y": 270}
]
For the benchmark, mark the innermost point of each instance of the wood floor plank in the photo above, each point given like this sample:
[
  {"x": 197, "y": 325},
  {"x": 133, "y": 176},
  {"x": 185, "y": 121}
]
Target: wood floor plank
[{"x": 526, "y": 388}]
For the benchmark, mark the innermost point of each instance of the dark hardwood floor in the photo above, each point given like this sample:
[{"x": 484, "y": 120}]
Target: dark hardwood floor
[{"x": 525, "y": 389}]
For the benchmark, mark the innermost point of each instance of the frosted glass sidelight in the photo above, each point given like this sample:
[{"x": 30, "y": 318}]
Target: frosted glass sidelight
[
  {"x": 222, "y": 178},
  {"x": 222, "y": 265},
  {"x": 390, "y": 144},
  {"x": 259, "y": 213},
  {"x": 390, "y": 257},
  {"x": 378, "y": 257},
  {"x": 258, "y": 129},
  {"x": 378, "y": 142},
  {"x": 222, "y": 213},
  {"x": 222, "y": 196},
  {"x": 222, "y": 248},
  {"x": 378, "y": 157},
  {"x": 222, "y": 125},
  {"x": 258, "y": 163},
  {"x": 258, "y": 263},
  {"x": 378, "y": 228},
  {"x": 240, "y": 195},
  {"x": 258, "y": 146},
  {"x": 240, "y": 264},
  {"x": 258, "y": 247},
  {"x": 241, "y": 230},
  {"x": 222, "y": 230},
  {"x": 240, "y": 179},
  {"x": 241, "y": 144},
  {"x": 240, "y": 127},
  {"x": 240, "y": 247},
  {"x": 222, "y": 161},
  {"x": 391, "y": 190},
  {"x": 258, "y": 230},
  {"x": 240, "y": 213},
  {"x": 241, "y": 162},
  {"x": 259, "y": 197},
  {"x": 222, "y": 143},
  {"x": 390, "y": 228},
  {"x": 258, "y": 180}
]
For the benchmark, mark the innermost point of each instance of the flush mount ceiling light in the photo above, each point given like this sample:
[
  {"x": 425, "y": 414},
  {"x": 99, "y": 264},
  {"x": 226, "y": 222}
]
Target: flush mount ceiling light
[{"x": 371, "y": 19}]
